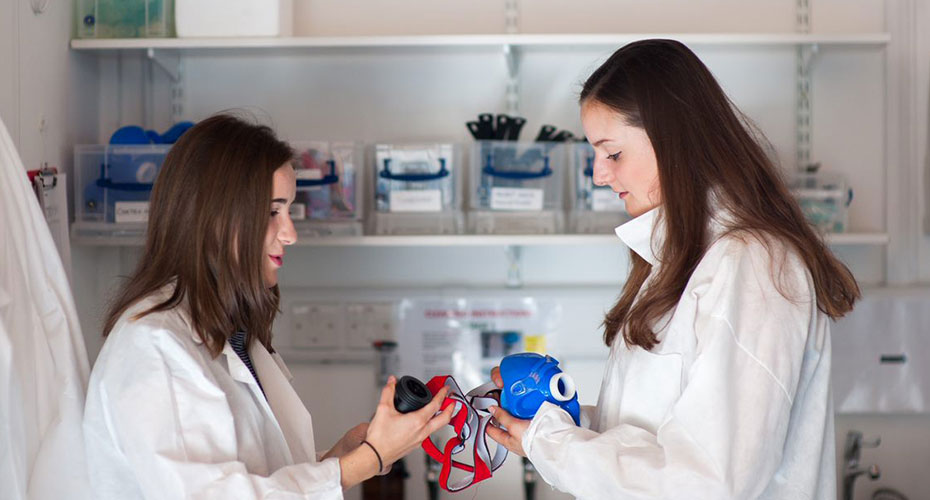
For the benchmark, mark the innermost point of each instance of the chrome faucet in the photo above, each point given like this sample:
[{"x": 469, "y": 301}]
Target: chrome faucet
[{"x": 852, "y": 470}]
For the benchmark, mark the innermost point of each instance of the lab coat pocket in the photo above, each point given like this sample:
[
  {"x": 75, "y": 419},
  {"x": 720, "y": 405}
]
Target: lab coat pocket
[{"x": 651, "y": 387}]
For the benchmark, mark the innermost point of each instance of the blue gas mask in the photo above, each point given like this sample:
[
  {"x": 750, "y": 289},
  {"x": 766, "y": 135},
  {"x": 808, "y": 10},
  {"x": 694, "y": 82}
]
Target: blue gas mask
[{"x": 530, "y": 379}]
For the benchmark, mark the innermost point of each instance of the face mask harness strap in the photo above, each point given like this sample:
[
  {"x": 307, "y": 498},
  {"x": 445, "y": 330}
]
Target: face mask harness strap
[{"x": 470, "y": 419}]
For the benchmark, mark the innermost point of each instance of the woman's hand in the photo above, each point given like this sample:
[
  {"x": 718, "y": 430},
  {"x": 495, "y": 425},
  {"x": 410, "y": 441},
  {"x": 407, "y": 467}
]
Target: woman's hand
[
  {"x": 511, "y": 437},
  {"x": 393, "y": 435},
  {"x": 496, "y": 377},
  {"x": 396, "y": 434}
]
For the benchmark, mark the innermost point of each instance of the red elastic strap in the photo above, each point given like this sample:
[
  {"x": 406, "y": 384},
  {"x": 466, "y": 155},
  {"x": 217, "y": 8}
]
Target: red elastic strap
[{"x": 465, "y": 415}]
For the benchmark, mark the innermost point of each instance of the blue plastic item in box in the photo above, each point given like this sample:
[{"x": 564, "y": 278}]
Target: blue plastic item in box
[
  {"x": 326, "y": 181},
  {"x": 510, "y": 164},
  {"x": 125, "y": 174},
  {"x": 426, "y": 168}
]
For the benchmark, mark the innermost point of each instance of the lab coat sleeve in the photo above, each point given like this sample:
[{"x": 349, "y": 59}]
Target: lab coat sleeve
[
  {"x": 175, "y": 427},
  {"x": 724, "y": 435}
]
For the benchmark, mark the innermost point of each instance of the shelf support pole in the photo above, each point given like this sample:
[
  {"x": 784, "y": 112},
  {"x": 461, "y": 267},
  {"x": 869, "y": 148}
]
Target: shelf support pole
[
  {"x": 513, "y": 84},
  {"x": 175, "y": 71},
  {"x": 803, "y": 106},
  {"x": 514, "y": 266},
  {"x": 512, "y": 27}
]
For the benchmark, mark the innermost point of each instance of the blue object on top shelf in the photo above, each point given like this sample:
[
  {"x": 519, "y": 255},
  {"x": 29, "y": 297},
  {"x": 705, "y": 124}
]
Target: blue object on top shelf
[
  {"x": 531, "y": 379},
  {"x": 172, "y": 135},
  {"x": 134, "y": 134},
  {"x": 130, "y": 134}
]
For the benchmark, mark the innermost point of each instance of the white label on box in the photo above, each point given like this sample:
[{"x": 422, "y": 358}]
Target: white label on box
[
  {"x": 309, "y": 174},
  {"x": 426, "y": 200},
  {"x": 298, "y": 211},
  {"x": 606, "y": 200},
  {"x": 132, "y": 211},
  {"x": 312, "y": 174},
  {"x": 516, "y": 199}
]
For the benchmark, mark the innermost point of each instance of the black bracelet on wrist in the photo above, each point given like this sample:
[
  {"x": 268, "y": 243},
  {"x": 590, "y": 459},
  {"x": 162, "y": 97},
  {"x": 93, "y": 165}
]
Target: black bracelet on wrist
[{"x": 380, "y": 463}]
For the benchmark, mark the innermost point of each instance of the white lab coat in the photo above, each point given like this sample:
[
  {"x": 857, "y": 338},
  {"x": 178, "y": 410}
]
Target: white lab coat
[
  {"x": 164, "y": 419},
  {"x": 734, "y": 402},
  {"x": 43, "y": 363}
]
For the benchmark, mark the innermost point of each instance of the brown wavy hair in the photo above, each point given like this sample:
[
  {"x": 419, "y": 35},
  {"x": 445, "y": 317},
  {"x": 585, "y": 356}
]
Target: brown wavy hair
[
  {"x": 208, "y": 216},
  {"x": 703, "y": 144}
]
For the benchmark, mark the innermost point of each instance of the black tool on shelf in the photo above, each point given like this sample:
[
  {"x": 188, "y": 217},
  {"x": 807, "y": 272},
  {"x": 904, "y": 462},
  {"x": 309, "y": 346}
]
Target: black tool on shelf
[
  {"x": 501, "y": 127},
  {"x": 516, "y": 124},
  {"x": 486, "y": 125},
  {"x": 475, "y": 128},
  {"x": 545, "y": 133}
]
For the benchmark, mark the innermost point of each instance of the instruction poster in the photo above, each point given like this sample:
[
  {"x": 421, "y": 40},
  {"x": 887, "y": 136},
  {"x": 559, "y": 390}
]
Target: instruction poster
[{"x": 466, "y": 337}]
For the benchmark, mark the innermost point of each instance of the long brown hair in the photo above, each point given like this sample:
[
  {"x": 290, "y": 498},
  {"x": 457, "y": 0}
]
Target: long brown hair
[
  {"x": 208, "y": 216},
  {"x": 703, "y": 146}
]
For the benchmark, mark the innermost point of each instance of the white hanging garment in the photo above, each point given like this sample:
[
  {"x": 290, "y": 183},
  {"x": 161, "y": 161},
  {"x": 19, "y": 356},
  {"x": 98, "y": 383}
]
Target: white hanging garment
[{"x": 43, "y": 363}]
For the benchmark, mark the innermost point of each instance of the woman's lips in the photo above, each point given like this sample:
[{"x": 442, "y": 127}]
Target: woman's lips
[
  {"x": 277, "y": 259},
  {"x": 623, "y": 194}
]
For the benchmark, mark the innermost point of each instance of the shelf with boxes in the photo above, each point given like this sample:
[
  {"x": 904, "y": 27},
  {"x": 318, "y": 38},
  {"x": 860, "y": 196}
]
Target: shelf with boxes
[
  {"x": 113, "y": 184},
  {"x": 486, "y": 193},
  {"x": 517, "y": 194}
]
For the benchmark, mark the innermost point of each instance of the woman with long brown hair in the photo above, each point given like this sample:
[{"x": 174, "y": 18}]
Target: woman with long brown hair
[
  {"x": 188, "y": 398},
  {"x": 718, "y": 380}
]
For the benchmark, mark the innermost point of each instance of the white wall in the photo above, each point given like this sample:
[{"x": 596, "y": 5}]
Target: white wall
[
  {"x": 420, "y": 94},
  {"x": 9, "y": 60},
  {"x": 922, "y": 132},
  {"x": 41, "y": 80}
]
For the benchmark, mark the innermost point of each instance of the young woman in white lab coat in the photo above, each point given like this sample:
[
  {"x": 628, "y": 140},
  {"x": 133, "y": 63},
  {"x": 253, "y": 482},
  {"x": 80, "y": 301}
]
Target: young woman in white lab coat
[
  {"x": 717, "y": 384},
  {"x": 187, "y": 398}
]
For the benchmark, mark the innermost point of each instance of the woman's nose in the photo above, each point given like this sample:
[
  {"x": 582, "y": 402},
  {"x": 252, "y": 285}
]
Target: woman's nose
[
  {"x": 288, "y": 234},
  {"x": 602, "y": 175}
]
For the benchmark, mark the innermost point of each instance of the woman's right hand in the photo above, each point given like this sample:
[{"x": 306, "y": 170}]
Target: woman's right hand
[
  {"x": 396, "y": 434},
  {"x": 393, "y": 435},
  {"x": 496, "y": 377}
]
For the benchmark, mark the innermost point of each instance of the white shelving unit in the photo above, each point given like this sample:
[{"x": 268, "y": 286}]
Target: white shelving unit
[{"x": 168, "y": 54}]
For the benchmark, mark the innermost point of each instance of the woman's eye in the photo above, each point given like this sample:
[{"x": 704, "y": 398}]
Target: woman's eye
[{"x": 614, "y": 156}]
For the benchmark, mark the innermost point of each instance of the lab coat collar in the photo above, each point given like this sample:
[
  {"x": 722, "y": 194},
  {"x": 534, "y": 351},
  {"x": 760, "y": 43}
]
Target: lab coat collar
[
  {"x": 646, "y": 234},
  {"x": 289, "y": 411},
  {"x": 276, "y": 398}
]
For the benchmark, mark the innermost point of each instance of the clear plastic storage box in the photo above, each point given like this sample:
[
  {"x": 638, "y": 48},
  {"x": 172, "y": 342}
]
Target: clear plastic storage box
[
  {"x": 824, "y": 198},
  {"x": 516, "y": 187},
  {"x": 417, "y": 189},
  {"x": 112, "y": 186},
  {"x": 124, "y": 18},
  {"x": 329, "y": 189},
  {"x": 595, "y": 209}
]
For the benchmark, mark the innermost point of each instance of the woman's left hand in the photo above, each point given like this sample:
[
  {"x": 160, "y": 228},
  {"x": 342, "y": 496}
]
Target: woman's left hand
[{"x": 512, "y": 437}]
